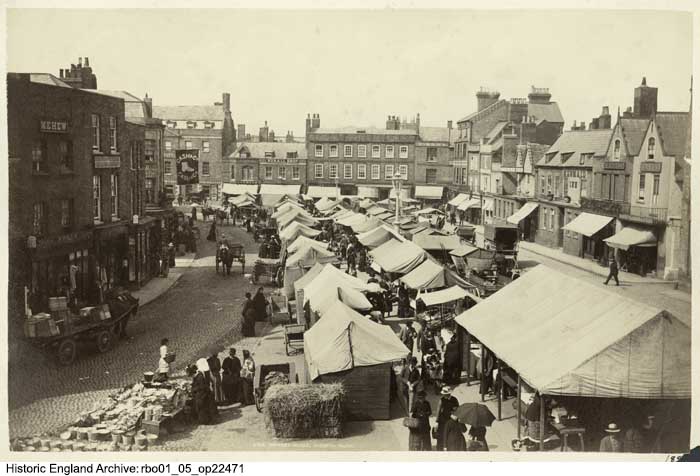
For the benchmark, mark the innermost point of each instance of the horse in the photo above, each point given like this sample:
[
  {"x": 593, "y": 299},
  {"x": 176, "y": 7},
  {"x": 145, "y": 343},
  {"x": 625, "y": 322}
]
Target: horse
[{"x": 225, "y": 257}]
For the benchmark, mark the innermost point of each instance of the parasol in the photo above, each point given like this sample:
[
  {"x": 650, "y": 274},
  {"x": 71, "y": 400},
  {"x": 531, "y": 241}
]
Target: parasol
[{"x": 474, "y": 414}]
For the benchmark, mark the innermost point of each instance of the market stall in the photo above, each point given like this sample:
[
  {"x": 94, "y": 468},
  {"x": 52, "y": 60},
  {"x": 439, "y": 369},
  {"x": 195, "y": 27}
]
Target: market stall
[
  {"x": 378, "y": 236},
  {"x": 436, "y": 308},
  {"x": 400, "y": 259},
  {"x": 347, "y": 347},
  {"x": 323, "y": 290},
  {"x": 295, "y": 230}
]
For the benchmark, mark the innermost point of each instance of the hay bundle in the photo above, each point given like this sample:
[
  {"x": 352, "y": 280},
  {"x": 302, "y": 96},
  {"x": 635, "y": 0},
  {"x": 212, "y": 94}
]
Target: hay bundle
[
  {"x": 305, "y": 411},
  {"x": 274, "y": 378}
]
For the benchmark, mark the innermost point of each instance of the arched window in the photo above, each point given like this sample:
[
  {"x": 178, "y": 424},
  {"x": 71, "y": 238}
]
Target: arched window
[
  {"x": 651, "y": 148},
  {"x": 616, "y": 153}
]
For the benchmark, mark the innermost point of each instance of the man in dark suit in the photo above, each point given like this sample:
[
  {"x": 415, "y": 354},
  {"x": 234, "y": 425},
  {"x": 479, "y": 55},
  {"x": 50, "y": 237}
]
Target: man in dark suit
[{"x": 613, "y": 272}]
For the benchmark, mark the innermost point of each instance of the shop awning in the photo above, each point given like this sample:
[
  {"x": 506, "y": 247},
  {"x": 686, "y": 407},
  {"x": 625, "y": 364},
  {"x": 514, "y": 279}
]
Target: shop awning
[
  {"x": 471, "y": 203},
  {"x": 401, "y": 259},
  {"x": 565, "y": 336},
  {"x": 443, "y": 296},
  {"x": 429, "y": 192},
  {"x": 631, "y": 236},
  {"x": 428, "y": 275},
  {"x": 428, "y": 211},
  {"x": 316, "y": 191},
  {"x": 522, "y": 213},
  {"x": 275, "y": 189},
  {"x": 587, "y": 224},
  {"x": 404, "y": 194},
  {"x": 368, "y": 192},
  {"x": 458, "y": 199},
  {"x": 433, "y": 242},
  {"x": 344, "y": 339},
  {"x": 463, "y": 250},
  {"x": 488, "y": 204},
  {"x": 239, "y": 188}
]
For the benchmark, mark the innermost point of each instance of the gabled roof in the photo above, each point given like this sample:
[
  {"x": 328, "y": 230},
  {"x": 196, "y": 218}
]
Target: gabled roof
[
  {"x": 633, "y": 131},
  {"x": 673, "y": 132},
  {"x": 258, "y": 150},
  {"x": 46, "y": 78},
  {"x": 189, "y": 113},
  {"x": 569, "y": 147},
  {"x": 545, "y": 112}
]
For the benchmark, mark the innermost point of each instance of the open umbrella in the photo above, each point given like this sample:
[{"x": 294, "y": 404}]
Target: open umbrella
[{"x": 474, "y": 414}]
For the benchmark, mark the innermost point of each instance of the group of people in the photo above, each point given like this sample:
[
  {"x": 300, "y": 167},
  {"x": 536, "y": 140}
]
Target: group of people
[
  {"x": 254, "y": 309},
  {"x": 270, "y": 246},
  {"x": 448, "y": 431}
]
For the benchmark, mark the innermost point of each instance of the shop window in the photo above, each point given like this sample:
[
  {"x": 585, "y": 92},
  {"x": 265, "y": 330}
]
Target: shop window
[
  {"x": 430, "y": 175},
  {"x": 40, "y": 157},
  {"x": 40, "y": 219},
  {"x": 205, "y": 168},
  {"x": 95, "y": 124},
  {"x": 65, "y": 149},
  {"x": 114, "y": 194},
  {"x": 96, "y": 197},
  {"x": 318, "y": 171},
  {"x": 67, "y": 213}
]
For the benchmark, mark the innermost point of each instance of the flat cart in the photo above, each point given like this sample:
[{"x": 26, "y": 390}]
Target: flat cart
[
  {"x": 98, "y": 328},
  {"x": 294, "y": 338},
  {"x": 267, "y": 268},
  {"x": 263, "y": 370}
]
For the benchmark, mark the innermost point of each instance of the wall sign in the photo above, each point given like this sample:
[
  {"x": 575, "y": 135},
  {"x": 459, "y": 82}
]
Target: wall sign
[
  {"x": 614, "y": 165},
  {"x": 187, "y": 166},
  {"x": 650, "y": 167},
  {"x": 48, "y": 125}
]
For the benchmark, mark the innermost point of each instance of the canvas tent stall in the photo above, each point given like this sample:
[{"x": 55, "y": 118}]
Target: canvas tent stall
[
  {"x": 316, "y": 191},
  {"x": 325, "y": 203},
  {"x": 285, "y": 208},
  {"x": 376, "y": 210},
  {"x": 301, "y": 241},
  {"x": 272, "y": 193},
  {"x": 295, "y": 230},
  {"x": 459, "y": 256},
  {"x": 350, "y": 220},
  {"x": 428, "y": 275},
  {"x": 378, "y": 236},
  {"x": 564, "y": 336},
  {"x": 299, "y": 285},
  {"x": 368, "y": 224},
  {"x": 399, "y": 259},
  {"x": 322, "y": 291},
  {"x": 296, "y": 216},
  {"x": 435, "y": 241},
  {"x": 366, "y": 203},
  {"x": 348, "y": 348},
  {"x": 239, "y": 188},
  {"x": 306, "y": 256}
]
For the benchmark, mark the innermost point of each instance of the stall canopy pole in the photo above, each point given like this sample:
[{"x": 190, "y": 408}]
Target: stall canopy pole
[
  {"x": 542, "y": 404},
  {"x": 482, "y": 385},
  {"x": 519, "y": 403},
  {"x": 500, "y": 389},
  {"x": 469, "y": 357}
]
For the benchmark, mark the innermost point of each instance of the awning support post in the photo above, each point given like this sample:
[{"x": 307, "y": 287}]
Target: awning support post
[
  {"x": 542, "y": 404},
  {"x": 482, "y": 385},
  {"x": 500, "y": 389},
  {"x": 469, "y": 357},
  {"x": 520, "y": 411}
]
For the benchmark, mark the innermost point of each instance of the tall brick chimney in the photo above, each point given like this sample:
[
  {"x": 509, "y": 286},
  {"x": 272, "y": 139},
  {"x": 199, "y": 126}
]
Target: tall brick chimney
[
  {"x": 228, "y": 135},
  {"x": 645, "y": 99},
  {"x": 539, "y": 95},
  {"x": 316, "y": 121},
  {"x": 486, "y": 97},
  {"x": 79, "y": 76},
  {"x": 148, "y": 102}
]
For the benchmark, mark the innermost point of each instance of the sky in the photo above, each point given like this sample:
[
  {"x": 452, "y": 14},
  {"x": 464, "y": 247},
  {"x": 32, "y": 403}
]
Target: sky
[{"x": 356, "y": 67}]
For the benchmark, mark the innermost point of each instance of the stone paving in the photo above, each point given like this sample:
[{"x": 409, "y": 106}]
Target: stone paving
[{"x": 198, "y": 314}]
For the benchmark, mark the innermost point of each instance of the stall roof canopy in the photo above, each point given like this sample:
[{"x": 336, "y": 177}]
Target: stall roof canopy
[
  {"x": 368, "y": 224},
  {"x": 443, "y": 296},
  {"x": 325, "y": 203},
  {"x": 298, "y": 216},
  {"x": 401, "y": 258},
  {"x": 311, "y": 250},
  {"x": 587, "y": 224},
  {"x": 343, "y": 340},
  {"x": 342, "y": 213},
  {"x": 376, "y": 210},
  {"x": 323, "y": 289},
  {"x": 350, "y": 220},
  {"x": 378, "y": 236},
  {"x": 239, "y": 188},
  {"x": 428, "y": 211},
  {"x": 316, "y": 191},
  {"x": 366, "y": 203},
  {"x": 309, "y": 276},
  {"x": 522, "y": 213},
  {"x": 296, "y": 229},
  {"x": 565, "y": 336},
  {"x": 471, "y": 203},
  {"x": 463, "y": 250},
  {"x": 430, "y": 242},
  {"x": 302, "y": 241},
  {"x": 631, "y": 236},
  {"x": 430, "y": 192},
  {"x": 458, "y": 199},
  {"x": 285, "y": 208},
  {"x": 428, "y": 275}
]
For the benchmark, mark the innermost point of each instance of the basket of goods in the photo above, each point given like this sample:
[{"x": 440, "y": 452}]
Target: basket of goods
[
  {"x": 170, "y": 357},
  {"x": 305, "y": 411}
]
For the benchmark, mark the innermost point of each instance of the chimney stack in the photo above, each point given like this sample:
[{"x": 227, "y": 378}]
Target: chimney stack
[
  {"x": 316, "y": 121},
  {"x": 87, "y": 62},
  {"x": 485, "y": 97},
  {"x": 80, "y": 64},
  {"x": 449, "y": 125},
  {"x": 149, "y": 104},
  {"x": 645, "y": 100},
  {"x": 226, "y": 100},
  {"x": 539, "y": 95}
]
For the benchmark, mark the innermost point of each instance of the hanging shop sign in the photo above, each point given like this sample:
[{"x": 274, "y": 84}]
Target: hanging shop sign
[{"x": 187, "y": 166}]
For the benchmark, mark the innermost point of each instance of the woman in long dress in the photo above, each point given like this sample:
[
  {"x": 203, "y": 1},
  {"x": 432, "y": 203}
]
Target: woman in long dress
[
  {"x": 202, "y": 395},
  {"x": 419, "y": 438},
  {"x": 231, "y": 378},
  {"x": 248, "y": 375},
  {"x": 215, "y": 369}
]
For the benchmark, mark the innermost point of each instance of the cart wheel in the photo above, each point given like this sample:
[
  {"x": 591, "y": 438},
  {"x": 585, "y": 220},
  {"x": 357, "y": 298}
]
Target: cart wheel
[
  {"x": 117, "y": 330},
  {"x": 66, "y": 351},
  {"x": 258, "y": 402},
  {"x": 103, "y": 341}
]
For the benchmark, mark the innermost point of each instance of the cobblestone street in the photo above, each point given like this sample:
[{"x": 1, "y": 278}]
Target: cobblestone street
[{"x": 200, "y": 313}]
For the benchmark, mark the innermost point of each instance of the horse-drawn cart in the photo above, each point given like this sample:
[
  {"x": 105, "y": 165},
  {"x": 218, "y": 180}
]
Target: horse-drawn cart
[
  {"x": 98, "y": 325},
  {"x": 226, "y": 255},
  {"x": 272, "y": 374}
]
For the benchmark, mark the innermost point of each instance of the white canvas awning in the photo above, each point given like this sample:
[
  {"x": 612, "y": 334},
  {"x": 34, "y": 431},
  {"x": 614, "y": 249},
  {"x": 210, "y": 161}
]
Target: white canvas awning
[
  {"x": 429, "y": 192},
  {"x": 434, "y": 242},
  {"x": 367, "y": 192},
  {"x": 458, "y": 200},
  {"x": 316, "y": 191},
  {"x": 276, "y": 189},
  {"x": 239, "y": 188},
  {"x": 428, "y": 275},
  {"x": 471, "y": 203},
  {"x": 565, "y": 336},
  {"x": 378, "y": 236},
  {"x": 344, "y": 339},
  {"x": 400, "y": 259},
  {"x": 404, "y": 194},
  {"x": 631, "y": 236},
  {"x": 587, "y": 224},
  {"x": 522, "y": 213},
  {"x": 443, "y": 296},
  {"x": 322, "y": 291},
  {"x": 286, "y": 208},
  {"x": 463, "y": 250}
]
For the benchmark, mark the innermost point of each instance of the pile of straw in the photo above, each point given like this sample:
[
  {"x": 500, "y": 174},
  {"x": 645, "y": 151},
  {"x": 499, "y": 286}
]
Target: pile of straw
[{"x": 305, "y": 411}]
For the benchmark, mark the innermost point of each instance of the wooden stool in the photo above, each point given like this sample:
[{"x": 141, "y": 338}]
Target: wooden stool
[{"x": 565, "y": 432}]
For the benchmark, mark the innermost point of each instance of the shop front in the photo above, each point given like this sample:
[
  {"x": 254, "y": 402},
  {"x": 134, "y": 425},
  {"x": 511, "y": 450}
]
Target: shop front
[
  {"x": 60, "y": 266},
  {"x": 111, "y": 266},
  {"x": 526, "y": 219},
  {"x": 144, "y": 246},
  {"x": 584, "y": 235},
  {"x": 636, "y": 248}
]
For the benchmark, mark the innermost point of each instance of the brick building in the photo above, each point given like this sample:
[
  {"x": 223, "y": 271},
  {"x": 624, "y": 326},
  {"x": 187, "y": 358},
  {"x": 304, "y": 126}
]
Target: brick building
[
  {"x": 209, "y": 129},
  {"x": 433, "y": 163},
  {"x": 359, "y": 161}
]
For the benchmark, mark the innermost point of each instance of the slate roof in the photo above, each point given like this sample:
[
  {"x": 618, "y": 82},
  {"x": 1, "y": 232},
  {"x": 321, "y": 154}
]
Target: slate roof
[
  {"x": 46, "y": 78},
  {"x": 673, "y": 131},
  {"x": 134, "y": 107},
  {"x": 438, "y": 134},
  {"x": 189, "y": 113},
  {"x": 364, "y": 130},
  {"x": 493, "y": 106},
  {"x": 570, "y": 145},
  {"x": 545, "y": 112},
  {"x": 633, "y": 131},
  {"x": 258, "y": 149}
]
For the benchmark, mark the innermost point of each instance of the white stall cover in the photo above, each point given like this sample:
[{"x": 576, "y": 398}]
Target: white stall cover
[
  {"x": 239, "y": 188},
  {"x": 316, "y": 191},
  {"x": 344, "y": 339},
  {"x": 428, "y": 275},
  {"x": 400, "y": 259},
  {"x": 458, "y": 200},
  {"x": 443, "y": 296},
  {"x": 296, "y": 229},
  {"x": 285, "y": 208},
  {"x": 301, "y": 241}
]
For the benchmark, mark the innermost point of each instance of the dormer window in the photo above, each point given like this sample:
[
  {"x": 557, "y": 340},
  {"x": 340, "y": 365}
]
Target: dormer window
[
  {"x": 191, "y": 124},
  {"x": 269, "y": 155},
  {"x": 616, "y": 150},
  {"x": 171, "y": 124},
  {"x": 208, "y": 125},
  {"x": 291, "y": 155},
  {"x": 651, "y": 148}
]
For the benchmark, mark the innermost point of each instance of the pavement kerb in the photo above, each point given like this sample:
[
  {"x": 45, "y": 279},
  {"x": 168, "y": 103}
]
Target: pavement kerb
[{"x": 171, "y": 282}]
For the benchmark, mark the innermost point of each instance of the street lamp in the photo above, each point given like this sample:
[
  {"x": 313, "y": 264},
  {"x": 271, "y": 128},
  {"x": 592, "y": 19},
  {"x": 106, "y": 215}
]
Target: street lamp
[{"x": 396, "y": 182}]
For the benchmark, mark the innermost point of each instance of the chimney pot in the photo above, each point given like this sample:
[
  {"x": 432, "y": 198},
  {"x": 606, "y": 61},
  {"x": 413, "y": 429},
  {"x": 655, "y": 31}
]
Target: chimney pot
[
  {"x": 80, "y": 62},
  {"x": 644, "y": 81},
  {"x": 606, "y": 110},
  {"x": 87, "y": 61},
  {"x": 449, "y": 124}
]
